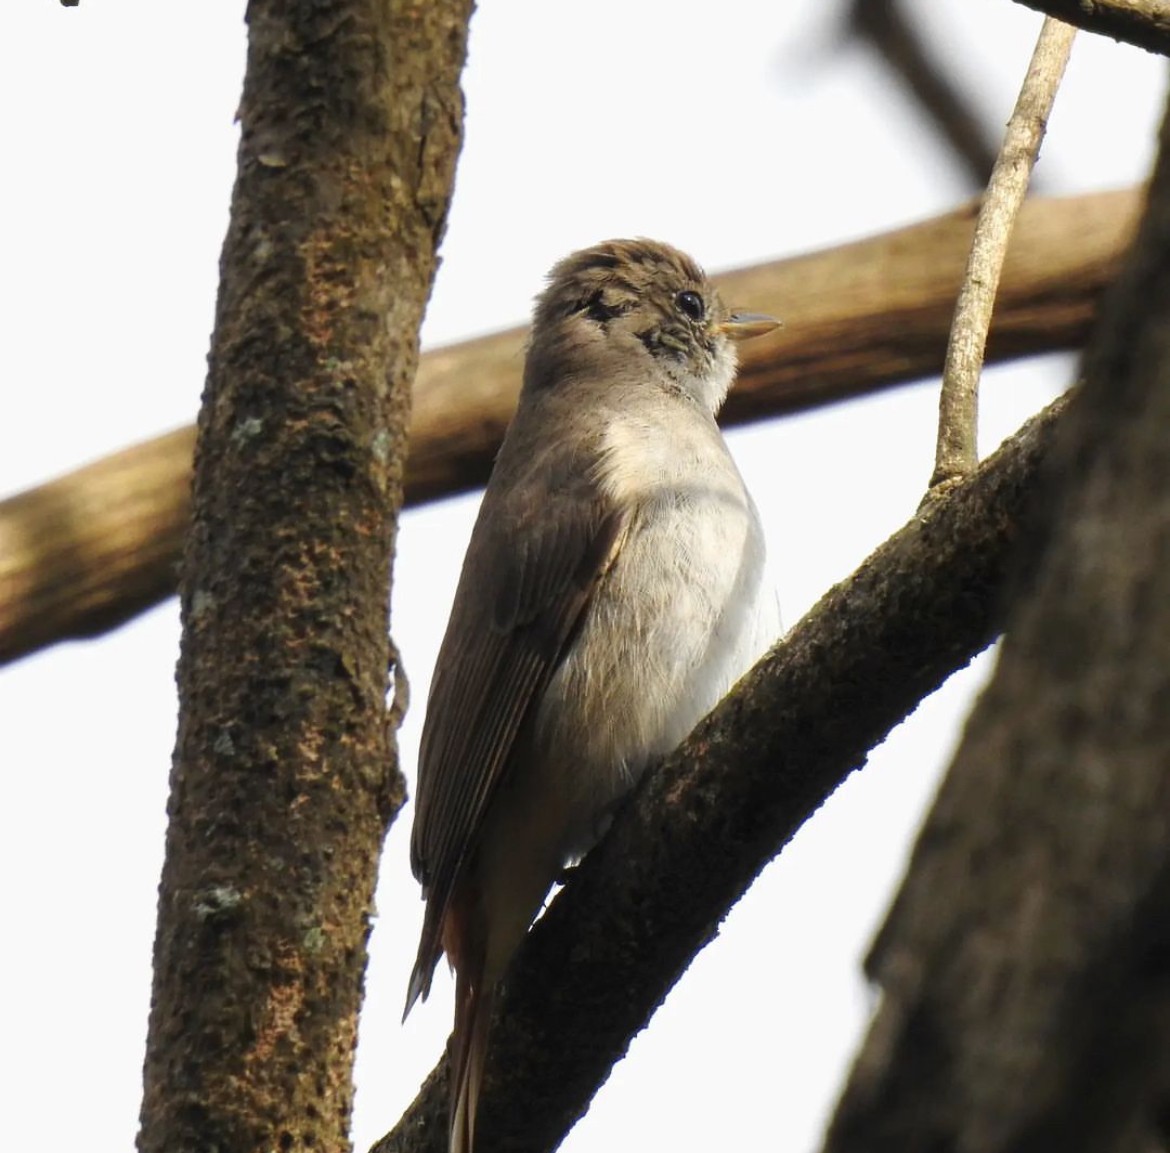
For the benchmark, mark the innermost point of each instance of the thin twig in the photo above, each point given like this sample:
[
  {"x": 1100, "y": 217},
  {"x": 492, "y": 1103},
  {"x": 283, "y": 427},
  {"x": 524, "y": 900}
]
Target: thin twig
[{"x": 957, "y": 453}]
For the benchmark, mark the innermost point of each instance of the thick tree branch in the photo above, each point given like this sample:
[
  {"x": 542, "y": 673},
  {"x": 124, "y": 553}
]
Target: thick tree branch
[
  {"x": 702, "y": 826},
  {"x": 83, "y": 553},
  {"x": 1145, "y": 23},
  {"x": 285, "y": 772},
  {"x": 1026, "y": 989},
  {"x": 86, "y": 551}
]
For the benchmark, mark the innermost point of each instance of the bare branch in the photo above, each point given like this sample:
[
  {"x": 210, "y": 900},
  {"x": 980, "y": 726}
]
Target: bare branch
[
  {"x": 958, "y": 417},
  {"x": 285, "y": 774},
  {"x": 1025, "y": 1000},
  {"x": 702, "y": 826},
  {"x": 897, "y": 40},
  {"x": 89, "y": 550},
  {"x": 1144, "y": 23},
  {"x": 83, "y": 553}
]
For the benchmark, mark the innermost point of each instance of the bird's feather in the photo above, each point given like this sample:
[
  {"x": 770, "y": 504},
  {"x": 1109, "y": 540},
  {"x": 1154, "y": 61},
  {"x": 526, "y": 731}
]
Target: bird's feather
[{"x": 509, "y": 629}]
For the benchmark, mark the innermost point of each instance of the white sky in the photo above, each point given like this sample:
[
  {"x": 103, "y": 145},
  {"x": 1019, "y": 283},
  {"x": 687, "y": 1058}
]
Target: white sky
[{"x": 735, "y": 131}]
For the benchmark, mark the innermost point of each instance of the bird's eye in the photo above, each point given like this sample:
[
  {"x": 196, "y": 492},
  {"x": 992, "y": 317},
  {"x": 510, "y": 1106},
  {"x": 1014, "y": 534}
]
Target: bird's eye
[{"x": 692, "y": 304}]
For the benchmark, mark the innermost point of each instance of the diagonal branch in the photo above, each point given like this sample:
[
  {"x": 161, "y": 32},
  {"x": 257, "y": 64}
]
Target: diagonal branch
[
  {"x": 85, "y": 552},
  {"x": 957, "y": 452},
  {"x": 1144, "y": 23},
  {"x": 899, "y": 41},
  {"x": 703, "y": 825},
  {"x": 1023, "y": 967}
]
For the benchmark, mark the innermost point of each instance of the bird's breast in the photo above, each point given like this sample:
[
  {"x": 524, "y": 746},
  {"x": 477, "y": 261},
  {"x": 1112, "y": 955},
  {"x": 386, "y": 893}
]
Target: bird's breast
[{"x": 672, "y": 623}]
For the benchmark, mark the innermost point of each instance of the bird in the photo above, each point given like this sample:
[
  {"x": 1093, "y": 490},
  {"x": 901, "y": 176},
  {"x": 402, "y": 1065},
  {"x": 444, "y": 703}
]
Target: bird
[{"x": 611, "y": 593}]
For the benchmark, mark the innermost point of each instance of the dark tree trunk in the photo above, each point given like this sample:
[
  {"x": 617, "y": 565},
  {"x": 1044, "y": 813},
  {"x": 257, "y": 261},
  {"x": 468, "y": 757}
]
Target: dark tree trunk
[
  {"x": 1025, "y": 967},
  {"x": 285, "y": 775}
]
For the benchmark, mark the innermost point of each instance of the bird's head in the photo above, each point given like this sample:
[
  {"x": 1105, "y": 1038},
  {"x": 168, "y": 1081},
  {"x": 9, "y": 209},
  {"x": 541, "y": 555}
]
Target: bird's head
[{"x": 637, "y": 310}]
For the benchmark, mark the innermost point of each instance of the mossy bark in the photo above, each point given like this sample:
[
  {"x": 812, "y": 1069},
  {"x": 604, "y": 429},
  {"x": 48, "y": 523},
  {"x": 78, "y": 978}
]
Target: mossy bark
[{"x": 285, "y": 775}]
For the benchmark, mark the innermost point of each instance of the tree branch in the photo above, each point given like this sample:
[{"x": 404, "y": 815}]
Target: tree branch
[
  {"x": 899, "y": 42},
  {"x": 958, "y": 418},
  {"x": 285, "y": 775},
  {"x": 87, "y": 551},
  {"x": 1144, "y": 23},
  {"x": 700, "y": 828},
  {"x": 1026, "y": 1004}
]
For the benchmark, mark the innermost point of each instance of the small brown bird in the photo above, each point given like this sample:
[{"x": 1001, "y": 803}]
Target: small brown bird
[{"x": 609, "y": 598}]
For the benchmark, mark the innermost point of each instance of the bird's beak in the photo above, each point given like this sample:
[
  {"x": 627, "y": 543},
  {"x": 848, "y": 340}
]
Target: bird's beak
[{"x": 744, "y": 325}]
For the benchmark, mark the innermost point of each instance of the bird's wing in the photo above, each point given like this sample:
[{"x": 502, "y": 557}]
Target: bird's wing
[{"x": 510, "y": 626}]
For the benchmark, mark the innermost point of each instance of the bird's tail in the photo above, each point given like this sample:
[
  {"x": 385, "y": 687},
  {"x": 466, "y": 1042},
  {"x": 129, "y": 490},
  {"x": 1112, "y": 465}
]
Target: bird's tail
[{"x": 473, "y": 1014}]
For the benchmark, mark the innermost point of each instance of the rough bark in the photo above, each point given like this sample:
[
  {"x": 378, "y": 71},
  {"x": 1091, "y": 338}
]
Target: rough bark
[
  {"x": 701, "y": 826},
  {"x": 87, "y": 551},
  {"x": 1145, "y": 23},
  {"x": 285, "y": 774},
  {"x": 1025, "y": 967}
]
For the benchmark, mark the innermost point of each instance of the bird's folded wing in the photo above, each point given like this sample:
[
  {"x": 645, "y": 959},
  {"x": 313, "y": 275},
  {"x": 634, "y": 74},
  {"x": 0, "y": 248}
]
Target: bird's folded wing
[{"x": 510, "y": 627}]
